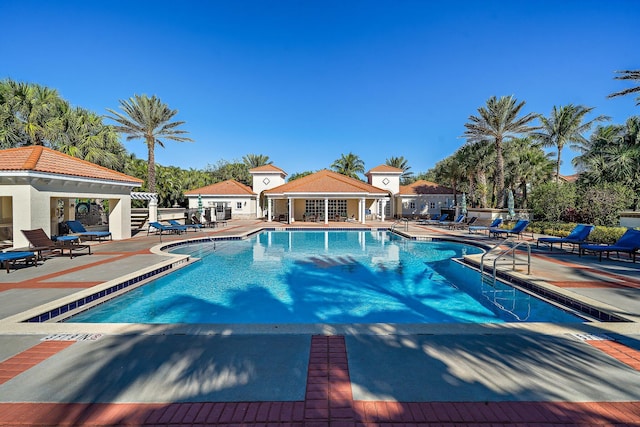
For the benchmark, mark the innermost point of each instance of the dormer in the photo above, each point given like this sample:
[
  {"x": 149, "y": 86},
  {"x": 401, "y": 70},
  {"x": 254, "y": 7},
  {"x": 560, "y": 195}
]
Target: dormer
[
  {"x": 267, "y": 177},
  {"x": 385, "y": 177}
]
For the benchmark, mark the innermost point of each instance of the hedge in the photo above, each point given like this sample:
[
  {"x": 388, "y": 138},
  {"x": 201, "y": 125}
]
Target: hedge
[{"x": 600, "y": 234}]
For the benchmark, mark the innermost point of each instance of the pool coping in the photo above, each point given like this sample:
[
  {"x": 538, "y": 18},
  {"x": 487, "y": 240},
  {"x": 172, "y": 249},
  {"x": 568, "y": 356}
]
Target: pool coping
[{"x": 18, "y": 324}]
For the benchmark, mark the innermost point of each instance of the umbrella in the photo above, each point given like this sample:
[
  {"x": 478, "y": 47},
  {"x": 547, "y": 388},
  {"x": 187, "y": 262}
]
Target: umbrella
[
  {"x": 200, "y": 206},
  {"x": 510, "y": 206},
  {"x": 463, "y": 204}
]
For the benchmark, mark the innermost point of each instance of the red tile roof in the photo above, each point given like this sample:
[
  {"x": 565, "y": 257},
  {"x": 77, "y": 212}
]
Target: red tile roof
[
  {"x": 385, "y": 168},
  {"x": 424, "y": 187},
  {"x": 326, "y": 181},
  {"x": 268, "y": 168},
  {"x": 42, "y": 159},
  {"x": 230, "y": 187}
]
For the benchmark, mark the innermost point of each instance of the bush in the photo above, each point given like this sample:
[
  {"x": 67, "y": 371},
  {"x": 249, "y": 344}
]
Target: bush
[
  {"x": 600, "y": 234},
  {"x": 550, "y": 201},
  {"x": 601, "y": 205}
]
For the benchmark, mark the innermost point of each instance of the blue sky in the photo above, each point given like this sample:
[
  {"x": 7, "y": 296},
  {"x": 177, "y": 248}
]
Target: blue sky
[{"x": 304, "y": 82}]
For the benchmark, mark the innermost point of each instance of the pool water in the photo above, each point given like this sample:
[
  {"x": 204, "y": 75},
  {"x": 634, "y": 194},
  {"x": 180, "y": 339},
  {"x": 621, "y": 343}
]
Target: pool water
[{"x": 280, "y": 277}]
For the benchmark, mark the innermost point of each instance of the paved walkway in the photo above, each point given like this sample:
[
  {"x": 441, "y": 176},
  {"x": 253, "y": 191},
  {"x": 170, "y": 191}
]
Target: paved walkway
[{"x": 343, "y": 375}]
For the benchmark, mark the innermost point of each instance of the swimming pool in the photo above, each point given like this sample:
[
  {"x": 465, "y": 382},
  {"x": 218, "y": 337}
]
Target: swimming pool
[{"x": 325, "y": 277}]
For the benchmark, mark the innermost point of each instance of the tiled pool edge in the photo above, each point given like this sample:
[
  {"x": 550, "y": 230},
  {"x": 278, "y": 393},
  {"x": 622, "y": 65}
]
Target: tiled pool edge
[{"x": 545, "y": 292}]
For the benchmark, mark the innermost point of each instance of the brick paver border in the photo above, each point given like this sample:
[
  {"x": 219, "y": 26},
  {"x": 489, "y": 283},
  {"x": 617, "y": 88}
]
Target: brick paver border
[{"x": 328, "y": 402}]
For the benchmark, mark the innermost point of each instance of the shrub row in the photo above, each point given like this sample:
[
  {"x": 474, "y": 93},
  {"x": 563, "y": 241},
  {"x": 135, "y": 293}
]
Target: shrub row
[{"x": 600, "y": 234}]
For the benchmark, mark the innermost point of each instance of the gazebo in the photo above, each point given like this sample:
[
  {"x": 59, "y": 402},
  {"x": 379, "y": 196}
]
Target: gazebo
[{"x": 39, "y": 188}]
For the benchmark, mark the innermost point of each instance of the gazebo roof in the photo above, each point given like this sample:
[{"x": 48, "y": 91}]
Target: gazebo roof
[{"x": 41, "y": 159}]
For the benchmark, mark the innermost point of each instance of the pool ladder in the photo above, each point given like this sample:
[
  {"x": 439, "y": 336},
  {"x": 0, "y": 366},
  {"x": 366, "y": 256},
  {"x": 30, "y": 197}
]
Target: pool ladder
[
  {"x": 498, "y": 253},
  {"x": 401, "y": 221}
]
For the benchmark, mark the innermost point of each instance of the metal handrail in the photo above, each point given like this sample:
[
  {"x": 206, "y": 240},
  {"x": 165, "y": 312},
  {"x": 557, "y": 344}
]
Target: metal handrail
[
  {"x": 504, "y": 252},
  {"x": 406, "y": 224}
]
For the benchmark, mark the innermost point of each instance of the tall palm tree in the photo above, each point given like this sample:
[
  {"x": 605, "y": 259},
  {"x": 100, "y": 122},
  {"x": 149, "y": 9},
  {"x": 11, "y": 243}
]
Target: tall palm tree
[
  {"x": 349, "y": 165},
  {"x": 565, "y": 125},
  {"x": 401, "y": 163},
  {"x": 499, "y": 122},
  {"x": 149, "y": 119},
  {"x": 628, "y": 75},
  {"x": 256, "y": 160}
]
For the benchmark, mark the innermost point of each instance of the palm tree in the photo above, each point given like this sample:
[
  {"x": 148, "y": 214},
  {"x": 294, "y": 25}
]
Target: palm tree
[
  {"x": 349, "y": 165},
  {"x": 613, "y": 156},
  {"x": 526, "y": 164},
  {"x": 149, "y": 119},
  {"x": 628, "y": 75},
  {"x": 565, "y": 125},
  {"x": 499, "y": 122},
  {"x": 256, "y": 160},
  {"x": 401, "y": 163}
]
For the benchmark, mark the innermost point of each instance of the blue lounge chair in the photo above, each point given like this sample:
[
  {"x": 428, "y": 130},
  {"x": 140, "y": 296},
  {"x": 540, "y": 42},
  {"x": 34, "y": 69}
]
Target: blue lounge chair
[
  {"x": 494, "y": 224},
  {"x": 175, "y": 223},
  {"x": 440, "y": 219},
  {"x": 170, "y": 229},
  {"x": 459, "y": 220},
  {"x": 577, "y": 236},
  {"x": 77, "y": 228},
  {"x": 10, "y": 258},
  {"x": 628, "y": 243},
  {"x": 517, "y": 229}
]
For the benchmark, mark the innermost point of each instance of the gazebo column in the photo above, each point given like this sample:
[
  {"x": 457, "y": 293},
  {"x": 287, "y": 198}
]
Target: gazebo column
[
  {"x": 291, "y": 211},
  {"x": 361, "y": 210},
  {"x": 120, "y": 218},
  {"x": 326, "y": 210},
  {"x": 153, "y": 209},
  {"x": 269, "y": 209},
  {"x": 383, "y": 209}
]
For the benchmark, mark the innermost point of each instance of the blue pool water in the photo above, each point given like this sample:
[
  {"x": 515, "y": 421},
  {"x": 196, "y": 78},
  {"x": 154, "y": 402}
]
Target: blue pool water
[{"x": 324, "y": 277}]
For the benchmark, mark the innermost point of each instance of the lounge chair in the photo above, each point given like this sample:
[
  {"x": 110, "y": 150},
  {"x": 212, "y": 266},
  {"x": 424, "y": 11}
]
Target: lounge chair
[
  {"x": 40, "y": 243},
  {"x": 628, "y": 243},
  {"x": 76, "y": 227},
  {"x": 494, "y": 224},
  {"x": 170, "y": 229},
  {"x": 463, "y": 225},
  {"x": 175, "y": 223},
  {"x": 441, "y": 218},
  {"x": 459, "y": 220},
  {"x": 10, "y": 258},
  {"x": 577, "y": 236},
  {"x": 517, "y": 229}
]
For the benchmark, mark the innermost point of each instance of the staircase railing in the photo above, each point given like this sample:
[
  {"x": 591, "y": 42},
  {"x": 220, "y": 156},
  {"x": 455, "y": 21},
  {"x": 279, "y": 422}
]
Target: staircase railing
[{"x": 401, "y": 221}]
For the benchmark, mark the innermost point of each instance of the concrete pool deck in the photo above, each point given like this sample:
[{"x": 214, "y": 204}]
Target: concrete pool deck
[{"x": 347, "y": 375}]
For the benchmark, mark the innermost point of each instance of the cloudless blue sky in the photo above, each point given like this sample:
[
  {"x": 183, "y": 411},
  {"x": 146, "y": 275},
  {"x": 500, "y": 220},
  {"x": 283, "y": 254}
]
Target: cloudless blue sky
[{"x": 306, "y": 81}]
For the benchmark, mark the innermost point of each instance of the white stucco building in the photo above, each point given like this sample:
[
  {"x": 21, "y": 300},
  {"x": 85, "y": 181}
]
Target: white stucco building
[
  {"x": 323, "y": 196},
  {"x": 39, "y": 187}
]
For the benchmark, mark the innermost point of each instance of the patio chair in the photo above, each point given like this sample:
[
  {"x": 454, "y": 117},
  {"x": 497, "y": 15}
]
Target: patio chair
[
  {"x": 494, "y": 224},
  {"x": 76, "y": 227},
  {"x": 517, "y": 229},
  {"x": 161, "y": 228},
  {"x": 459, "y": 220},
  {"x": 175, "y": 223},
  {"x": 577, "y": 236},
  {"x": 195, "y": 220},
  {"x": 628, "y": 243},
  {"x": 441, "y": 218},
  {"x": 40, "y": 243},
  {"x": 463, "y": 225},
  {"x": 10, "y": 258}
]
